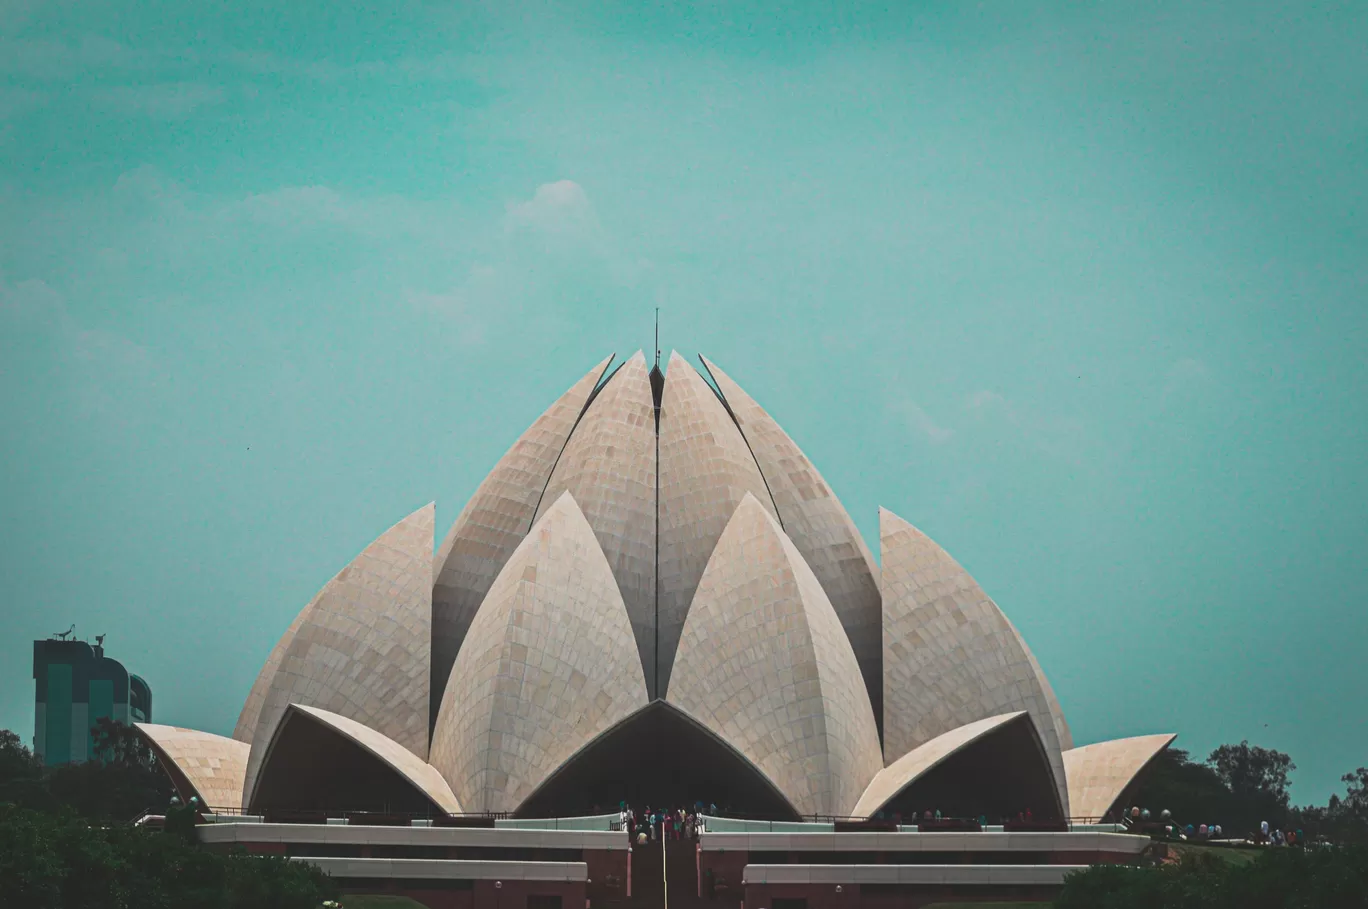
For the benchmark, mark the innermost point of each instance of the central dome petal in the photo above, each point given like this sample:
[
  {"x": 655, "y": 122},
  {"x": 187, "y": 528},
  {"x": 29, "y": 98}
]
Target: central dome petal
[
  {"x": 764, "y": 664},
  {"x": 548, "y": 664},
  {"x": 705, "y": 471},
  {"x": 609, "y": 466},
  {"x": 361, "y": 646},
  {"x": 494, "y": 521},
  {"x": 817, "y": 523}
]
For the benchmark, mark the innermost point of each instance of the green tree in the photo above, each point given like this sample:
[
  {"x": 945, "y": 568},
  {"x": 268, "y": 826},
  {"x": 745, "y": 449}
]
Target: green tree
[
  {"x": 21, "y": 774},
  {"x": 1252, "y": 772},
  {"x": 1276, "y": 879},
  {"x": 64, "y": 861},
  {"x": 122, "y": 782}
]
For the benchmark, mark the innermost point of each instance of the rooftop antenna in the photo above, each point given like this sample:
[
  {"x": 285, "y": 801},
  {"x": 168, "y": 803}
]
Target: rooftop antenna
[
  {"x": 64, "y": 635},
  {"x": 657, "y": 377}
]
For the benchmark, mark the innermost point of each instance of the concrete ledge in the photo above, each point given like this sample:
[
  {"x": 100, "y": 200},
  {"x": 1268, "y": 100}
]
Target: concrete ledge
[
  {"x": 1115, "y": 843},
  {"x": 599, "y": 840},
  {"x": 449, "y": 869},
  {"x": 908, "y": 874}
]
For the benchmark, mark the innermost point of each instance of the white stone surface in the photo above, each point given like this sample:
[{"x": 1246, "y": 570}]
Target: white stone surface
[
  {"x": 419, "y": 773},
  {"x": 1099, "y": 773},
  {"x": 950, "y": 655},
  {"x": 213, "y": 764},
  {"x": 609, "y": 466},
  {"x": 361, "y": 647},
  {"x": 819, "y": 526},
  {"x": 362, "y": 834},
  {"x": 909, "y": 874},
  {"x": 256, "y": 698},
  {"x": 921, "y": 760},
  {"x": 764, "y": 664},
  {"x": 495, "y": 520},
  {"x": 705, "y": 471},
  {"x": 448, "y": 869},
  {"x": 914, "y": 841},
  {"x": 549, "y": 663}
]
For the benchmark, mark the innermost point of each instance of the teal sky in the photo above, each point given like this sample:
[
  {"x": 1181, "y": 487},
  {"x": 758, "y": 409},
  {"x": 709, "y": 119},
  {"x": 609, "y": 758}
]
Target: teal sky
[{"x": 1079, "y": 289}]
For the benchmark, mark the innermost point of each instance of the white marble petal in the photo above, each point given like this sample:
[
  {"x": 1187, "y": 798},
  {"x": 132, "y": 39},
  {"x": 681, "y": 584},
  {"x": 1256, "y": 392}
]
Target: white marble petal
[
  {"x": 1100, "y": 773},
  {"x": 609, "y": 466},
  {"x": 950, "y": 656},
  {"x": 819, "y": 526},
  {"x": 705, "y": 471},
  {"x": 214, "y": 766},
  {"x": 494, "y": 521},
  {"x": 549, "y": 663},
  {"x": 361, "y": 648},
  {"x": 765, "y": 665}
]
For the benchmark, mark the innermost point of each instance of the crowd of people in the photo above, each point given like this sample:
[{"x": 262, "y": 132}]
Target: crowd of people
[
  {"x": 1140, "y": 817},
  {"x": 650, "y": 825}
]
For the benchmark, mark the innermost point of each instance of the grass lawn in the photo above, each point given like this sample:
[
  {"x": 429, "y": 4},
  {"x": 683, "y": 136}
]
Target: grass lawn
[
  {"x": 378, "y": 901},
  {"x": 1224, "y": 853}
]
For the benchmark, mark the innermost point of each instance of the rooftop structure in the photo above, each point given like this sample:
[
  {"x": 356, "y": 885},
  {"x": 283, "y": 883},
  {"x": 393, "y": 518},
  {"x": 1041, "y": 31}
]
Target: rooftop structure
[
  {"x": 654, "y": 597},
  {"x": 76, "y": 686}
]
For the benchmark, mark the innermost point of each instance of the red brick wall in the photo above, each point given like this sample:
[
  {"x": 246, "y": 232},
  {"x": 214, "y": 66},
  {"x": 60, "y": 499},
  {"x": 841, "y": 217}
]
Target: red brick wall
[{"x": 605, "y": 868}]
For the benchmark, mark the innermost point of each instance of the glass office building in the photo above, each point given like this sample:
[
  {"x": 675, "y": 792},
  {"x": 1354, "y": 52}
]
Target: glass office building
[{"x": 77, "y": 685}]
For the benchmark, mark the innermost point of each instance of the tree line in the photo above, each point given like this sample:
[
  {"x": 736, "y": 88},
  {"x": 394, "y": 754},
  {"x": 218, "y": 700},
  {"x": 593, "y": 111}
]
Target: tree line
[
  {"x": 1240, "y": 786},
  {"x": 68, "y": 840}
]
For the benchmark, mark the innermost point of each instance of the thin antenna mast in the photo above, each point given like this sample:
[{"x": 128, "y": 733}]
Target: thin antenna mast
[{"x": 657, "y": 337}]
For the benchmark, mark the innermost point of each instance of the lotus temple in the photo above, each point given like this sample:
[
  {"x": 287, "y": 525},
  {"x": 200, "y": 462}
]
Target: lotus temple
[{"x": 655, "y": 599}]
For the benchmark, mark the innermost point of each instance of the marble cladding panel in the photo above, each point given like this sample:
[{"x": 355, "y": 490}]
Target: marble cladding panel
[
  {"x": 907, "y": 769},
  {"x": 362, "y": 649},
  {"x": 419, "y": 773},
  {"x": 764, "y": 664},
  {"x": 494, "y": 521},
  {"x": 1098, "y": 774},
  {"x": 214, "y": 765},
  {"x": 705, "y": 471},
  {"x": 609, "y": 466},
  {"x": 950, "y": 655},
  {"x": 550, "y": 662},
  {"x": 256, "y": 698},
  {"x": 819, "y": 526}
]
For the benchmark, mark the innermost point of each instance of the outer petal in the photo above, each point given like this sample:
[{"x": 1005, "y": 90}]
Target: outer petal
[
  {"x": 983, "y": 758},
  {"x": 494, "y": 521},
  {"x": 609, "y": 466},
  {"x": 1100, "y": 774},
  {"x": 361, "y": 648},
  {"x": 819, "y": 526},
  {"x": 548, "y": 664},
  {"x": 256, "y": 698},
  {"x": 200, "y": 763},
  {"x": 299, "y": 771},
  {"x": 950, "y": 655},
  {"x": 705, "y": 471},
  {"x": 764, "y": 663}
]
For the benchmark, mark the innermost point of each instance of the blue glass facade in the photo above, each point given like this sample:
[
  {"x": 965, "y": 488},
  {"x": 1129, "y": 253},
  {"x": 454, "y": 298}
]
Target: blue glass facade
[{"x": 76, "y": 686}]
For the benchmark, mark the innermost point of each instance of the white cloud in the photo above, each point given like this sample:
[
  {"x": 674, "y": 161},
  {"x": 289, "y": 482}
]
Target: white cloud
[
  {"x": 15, "y": 102},
  {"x": 43, "y": 59},
  {"x": 1057, "y": 436},
  {"x": 30, "y": 306},
  {"x": 918, "y": 419},
  {"x": 33, "y": 313},
  {"x": 549, "y": 247},
  {"x": 560, "y": 207},
  {"x": 166, "y": 101}
]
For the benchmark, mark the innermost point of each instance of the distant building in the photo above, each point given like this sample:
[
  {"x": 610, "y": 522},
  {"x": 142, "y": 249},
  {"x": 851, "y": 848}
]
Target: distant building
[{"x": 77, "y": 685}]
